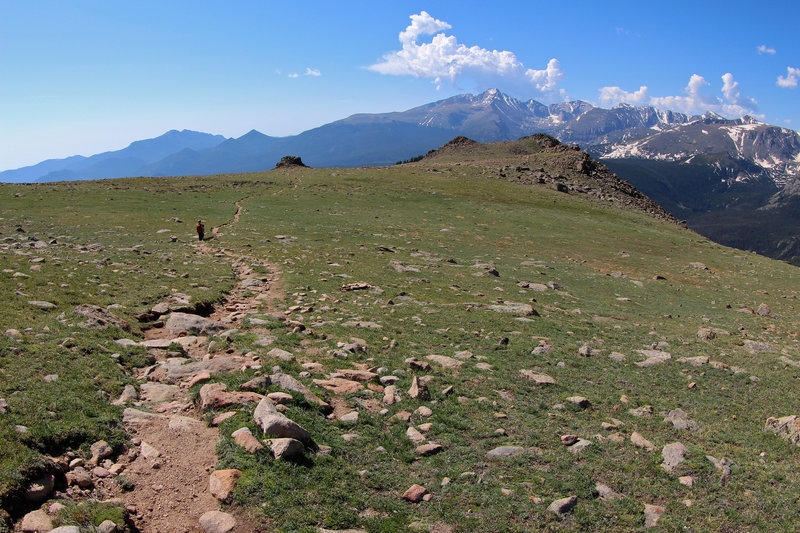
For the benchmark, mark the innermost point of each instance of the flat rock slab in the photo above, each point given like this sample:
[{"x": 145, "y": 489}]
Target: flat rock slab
[
  {"x": 159, "y": 392},
  {"x": 216, "y": 395},
  {"x": 538, "y": 378},
  {"x": 362, "y": 376},
  {"x": 444, "y": 361},
  {"x": 513, "y": 308},
  {"x": 508, "y": 451},
  {"x": 178, "y": 322},
  {"x": 99, "y": 317},
  {"x": 339, "y": 385},
  {"x": 135, "y": 417}
]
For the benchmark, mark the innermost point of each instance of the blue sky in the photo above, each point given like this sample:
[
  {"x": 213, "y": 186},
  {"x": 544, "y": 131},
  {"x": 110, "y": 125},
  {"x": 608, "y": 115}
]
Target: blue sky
[{"x": 81, "y": 77}]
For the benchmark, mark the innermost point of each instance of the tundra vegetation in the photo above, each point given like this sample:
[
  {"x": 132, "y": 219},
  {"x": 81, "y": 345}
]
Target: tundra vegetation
[{"x": 581, "y": 341}]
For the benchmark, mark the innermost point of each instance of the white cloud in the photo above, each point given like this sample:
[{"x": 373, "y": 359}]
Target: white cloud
[
  {"x": 730, "y": 88},
  {"x": 294, "y": 75},
  {"x": 791, "y": 79},
  {"x": 312, "y": 72},
  {"x": 444, "y": 58},
  {"x": 612, "y": 96},
  {"x": 764, "y": 49},
  {"x": 694, "y": 100}
]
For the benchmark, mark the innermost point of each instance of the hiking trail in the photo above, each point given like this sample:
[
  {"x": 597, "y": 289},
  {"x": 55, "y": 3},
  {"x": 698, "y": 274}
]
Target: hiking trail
[{"x": 173, "y": 449}]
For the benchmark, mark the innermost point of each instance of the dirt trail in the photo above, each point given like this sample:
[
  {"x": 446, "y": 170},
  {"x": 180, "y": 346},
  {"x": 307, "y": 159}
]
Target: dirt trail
[{"x": 172, "y": 483}]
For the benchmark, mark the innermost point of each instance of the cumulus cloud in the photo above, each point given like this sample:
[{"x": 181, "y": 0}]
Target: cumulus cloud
[
  {"x": 695, "y": 98},
  {"x": 444, "y": 58},
  {"x": 764, "y": 49},
  {"x": 791, "y": 79},
  {"x": 730, "y": 88},
  {"x": 294, "y": 75},
  {"x": 312, "y": 72},
  {"x": 612, "y": 96}
]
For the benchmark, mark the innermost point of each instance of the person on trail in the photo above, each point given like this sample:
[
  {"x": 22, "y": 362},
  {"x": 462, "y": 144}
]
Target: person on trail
[{"x": 201, "y": 230}]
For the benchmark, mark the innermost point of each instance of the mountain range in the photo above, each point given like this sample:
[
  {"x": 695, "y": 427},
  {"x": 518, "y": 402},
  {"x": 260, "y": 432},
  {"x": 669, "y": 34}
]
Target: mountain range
[{"x": 735, "y": 181}]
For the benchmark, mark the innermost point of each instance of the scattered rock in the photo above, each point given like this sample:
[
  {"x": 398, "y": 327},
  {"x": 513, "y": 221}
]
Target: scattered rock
[
  {"x": 339, "y": 385},
  {"x": 286, "y": 448},
  {"x": 415, "y": 493},
  {"x": 222, "y": 483},
  {"x": 538, "y": 378},
  {"x": 217, "y": 522},
  {"x": 506, "y": 451},
  {"x": 216, "y": 396},
  {"x": 429, "y": 449},
  {"x": 98, "y": 317},
  {"x": 787, "y": 427},
  {"x": 638, "y": 440},
  {"x": 100, "y": 450},
  {"x": 652, "y": 513},
  {"x": 606, "y": 493},
  {"x": 645, "y": 411},
  {"x": 36, "y": 522},
  {"x": 680, "y": 420},
  {"x": 563, "y": 506},
  {"x": 414, "y": 435},
  {"x": 245, "y": 438},
  {"x": 444, "y": 361},
  {"x": 763, "y": 310},
  {"x": 178, "y": 322},
  {"x": 580, "y": 401},
  {"x": 419, "y": 390},
  {"x": 283, "y": 355},
  {"x": 42, "y": 305},
  {"x": 674, "y": 454},
  {"x": 276, "y": 424}
]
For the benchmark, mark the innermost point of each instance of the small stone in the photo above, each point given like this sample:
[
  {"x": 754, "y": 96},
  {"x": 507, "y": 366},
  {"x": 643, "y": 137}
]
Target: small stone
[
  {"x": 148, "y": 451},
  {"x": 415, "y": 493},
  {"x": 222, "y": 483},
  {"x": 763, "y": 310},
  {"x": 107, "y": 526},
  {"x": 244, "y": 438},
  {"x": 349, "y": 418},
  {"x": 606, "y": 493},
  {"x": 645, "y": 411},
  {"x": 569, "y": 440},
  {"x": 428, "y": 449},
  {"x": 563, "y": 506},
  {"x": 217, "y": 522},
  {"x": 414, "y": 435},
  {"x": 505, "y": 451},
  {"x": 638, "y": 440},
  {"x": 418, "y": 390},
  {"x": 579, "y": 446},
  {"x": 686, "y": 480},
  {"x": 652, "y": 513},
  {"x": 538, "y": 378},
  {"x": 423, "y": 411},
  {"x": 580, "y": 401},
  {"x": 674, "y": 454}
]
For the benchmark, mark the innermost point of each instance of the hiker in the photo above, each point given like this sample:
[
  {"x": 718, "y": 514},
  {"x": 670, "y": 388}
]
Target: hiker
[{"x": 201, "y": 230}]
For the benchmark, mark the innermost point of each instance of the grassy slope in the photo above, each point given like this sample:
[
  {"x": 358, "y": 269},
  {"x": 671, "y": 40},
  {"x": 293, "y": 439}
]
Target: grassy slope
[{"x": 339, "y": 219}]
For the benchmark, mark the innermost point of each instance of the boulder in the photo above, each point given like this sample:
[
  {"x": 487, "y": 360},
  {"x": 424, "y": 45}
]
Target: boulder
[
  {"x": 276, "y": 424},
  {"x": 286, "y": 448},
  {"x": 216, "y": 395},
  {"x": 36, "y": 522},
  {"x": 244, "y": 438}
]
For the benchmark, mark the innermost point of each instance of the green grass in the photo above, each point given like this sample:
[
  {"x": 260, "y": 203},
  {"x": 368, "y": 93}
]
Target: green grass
[{"x": 340, "y": 224}]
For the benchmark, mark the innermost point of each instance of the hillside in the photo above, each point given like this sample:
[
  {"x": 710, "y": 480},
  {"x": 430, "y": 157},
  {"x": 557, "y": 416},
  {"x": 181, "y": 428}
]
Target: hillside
[{"x": 453, "y": 345}]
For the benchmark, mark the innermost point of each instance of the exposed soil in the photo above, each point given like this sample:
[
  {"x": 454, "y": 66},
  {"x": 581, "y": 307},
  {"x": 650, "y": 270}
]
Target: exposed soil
[{"x": 172, "y": 490}]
